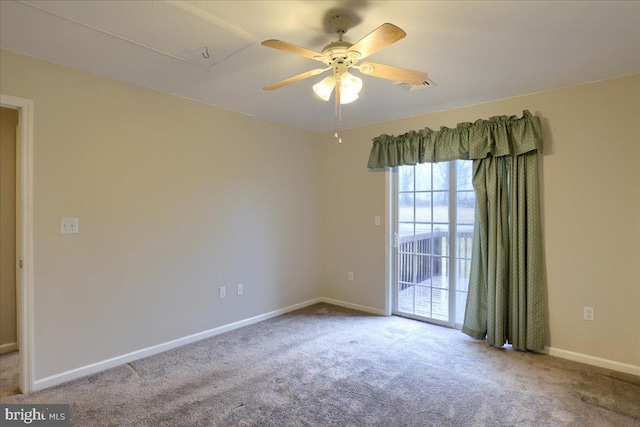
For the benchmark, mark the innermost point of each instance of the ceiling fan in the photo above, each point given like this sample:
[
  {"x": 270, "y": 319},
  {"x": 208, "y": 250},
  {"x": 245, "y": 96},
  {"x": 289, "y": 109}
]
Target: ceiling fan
[{"x": 340, "y": 56}]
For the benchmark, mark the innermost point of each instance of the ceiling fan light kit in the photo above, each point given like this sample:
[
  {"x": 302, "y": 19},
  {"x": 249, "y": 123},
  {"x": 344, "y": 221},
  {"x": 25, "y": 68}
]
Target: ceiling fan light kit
[
  {"x": 350, "y": 87},
  {"x": 341, "y": 55},
  {"x": 324, "y": 88}
]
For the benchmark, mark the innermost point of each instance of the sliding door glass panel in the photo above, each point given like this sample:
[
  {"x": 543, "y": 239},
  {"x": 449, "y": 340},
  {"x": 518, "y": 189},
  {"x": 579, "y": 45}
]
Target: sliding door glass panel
[{"x": 433, "y": 203}]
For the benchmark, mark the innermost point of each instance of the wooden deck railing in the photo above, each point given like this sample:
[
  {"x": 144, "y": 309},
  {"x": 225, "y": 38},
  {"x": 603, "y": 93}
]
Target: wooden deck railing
[{"x": 435, "y": 244}]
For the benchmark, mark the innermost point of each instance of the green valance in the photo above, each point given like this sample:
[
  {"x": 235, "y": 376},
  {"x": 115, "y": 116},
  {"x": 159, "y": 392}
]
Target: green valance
[{"x": 499, "y": 136}]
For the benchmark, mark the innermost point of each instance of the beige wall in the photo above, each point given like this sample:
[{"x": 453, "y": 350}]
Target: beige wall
[
  {"x": 174, "y": 198},
  {"x": 8, "y": 122},
  {"x": 591, "y": 211}
]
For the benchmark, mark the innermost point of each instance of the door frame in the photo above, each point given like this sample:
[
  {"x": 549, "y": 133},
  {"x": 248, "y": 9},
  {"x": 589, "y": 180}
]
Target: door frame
[
  {"x": 391, "y": 175},
  {"x": 24, "y": 236}
]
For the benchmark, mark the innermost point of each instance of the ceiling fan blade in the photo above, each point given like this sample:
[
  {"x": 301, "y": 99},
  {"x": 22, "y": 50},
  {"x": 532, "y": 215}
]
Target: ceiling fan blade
[
  {"x": 390, "y": 72},
  {"x": 297, "y": 78},
  {"x": 291, "y": 48},
  {"x": 381, "y": 37}
]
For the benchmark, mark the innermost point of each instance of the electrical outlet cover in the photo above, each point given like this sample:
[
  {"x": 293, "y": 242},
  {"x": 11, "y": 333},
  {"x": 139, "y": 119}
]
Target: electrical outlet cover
[
  {"x": 68, "y": 225},
  {"x": 589, "y": 314}
]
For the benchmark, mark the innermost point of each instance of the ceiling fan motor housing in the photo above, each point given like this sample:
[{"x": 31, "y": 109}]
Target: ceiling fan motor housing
[{"x": 335, "y": 54}]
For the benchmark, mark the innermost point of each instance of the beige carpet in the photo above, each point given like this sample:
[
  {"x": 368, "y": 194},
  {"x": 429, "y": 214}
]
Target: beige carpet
[
  {"x": 9, "y": 371},
  {"x": 329, "y": 366}
]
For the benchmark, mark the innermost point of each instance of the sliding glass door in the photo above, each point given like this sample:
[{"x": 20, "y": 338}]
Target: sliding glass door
[{"x": 433, "y": 202}]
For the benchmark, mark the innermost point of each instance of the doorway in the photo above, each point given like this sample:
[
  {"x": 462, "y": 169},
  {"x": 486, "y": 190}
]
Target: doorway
[
  {"x": 23, "y": 259},
  {"x": 9, "y": 356}
]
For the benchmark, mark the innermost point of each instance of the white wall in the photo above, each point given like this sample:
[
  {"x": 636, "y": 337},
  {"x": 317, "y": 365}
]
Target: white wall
[
  {"x": 591, "y": 211},
  {"x": 174, "y": 198}
]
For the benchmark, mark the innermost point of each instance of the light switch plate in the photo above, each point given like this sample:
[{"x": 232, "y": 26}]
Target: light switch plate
[{"x": 68, "y": 225}]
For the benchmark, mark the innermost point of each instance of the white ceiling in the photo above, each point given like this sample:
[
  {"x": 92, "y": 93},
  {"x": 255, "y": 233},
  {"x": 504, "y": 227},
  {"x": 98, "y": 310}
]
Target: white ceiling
[{"x": 473, "y": 51}]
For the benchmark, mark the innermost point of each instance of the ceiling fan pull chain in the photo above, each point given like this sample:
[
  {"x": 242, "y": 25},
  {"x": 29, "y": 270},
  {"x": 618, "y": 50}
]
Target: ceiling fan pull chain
[
  {"x": 335, "y": 115},
  {"x": 337, "y": 105},
  {"x": 336, "y": 134},
  {"x": 338, "y": 109}
]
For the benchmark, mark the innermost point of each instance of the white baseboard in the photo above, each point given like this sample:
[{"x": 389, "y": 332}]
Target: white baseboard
[
  {"x": 8, "y": 347},
  {"x": 592, "y": 360},
  {"x": 149, "y": 351},
  {"x": 352, "y": 306},
  {"x": 93, "y": 368}
]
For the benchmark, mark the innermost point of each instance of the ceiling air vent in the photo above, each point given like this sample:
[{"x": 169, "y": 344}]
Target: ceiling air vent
[{"x": 412, "y": 88}]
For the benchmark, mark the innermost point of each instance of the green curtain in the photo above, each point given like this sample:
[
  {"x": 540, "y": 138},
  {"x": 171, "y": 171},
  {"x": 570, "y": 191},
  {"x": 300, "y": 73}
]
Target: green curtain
[
  {"x": 505, "y": 301},
  {"x": 499, "y": 136}
]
